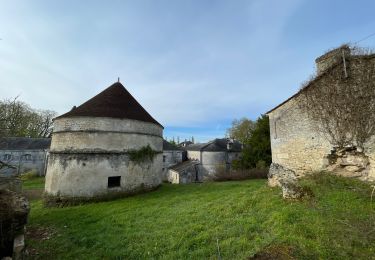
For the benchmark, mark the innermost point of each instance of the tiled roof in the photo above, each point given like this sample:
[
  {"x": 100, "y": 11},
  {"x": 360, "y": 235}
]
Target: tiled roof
[
  {"x": 115, "y": 102},
  {"x": 24, "y": 143},
  {"x": 183, "y": 165}
]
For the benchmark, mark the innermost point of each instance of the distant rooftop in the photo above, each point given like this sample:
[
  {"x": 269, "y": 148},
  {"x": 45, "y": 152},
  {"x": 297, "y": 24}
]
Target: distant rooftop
[
  {"x": 24, "y": 143},
  {"x": 167, "y": 146},
  {"x": 216, "y": 145},
  {"x": 115, "y": 102}
]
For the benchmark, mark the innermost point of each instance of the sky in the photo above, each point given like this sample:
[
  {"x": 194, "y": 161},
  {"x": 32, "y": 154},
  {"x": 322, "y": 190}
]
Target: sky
[{"x": 195, "y": 66}]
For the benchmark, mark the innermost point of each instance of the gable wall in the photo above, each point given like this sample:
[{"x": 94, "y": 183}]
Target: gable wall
[
  {"x": 294, "y": 143},
  {"x": 297, "y": 146}
]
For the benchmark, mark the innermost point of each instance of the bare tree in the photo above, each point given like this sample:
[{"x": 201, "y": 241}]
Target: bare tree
[
  {"x": 341, "y": 101},
  {"x": 17, "y": 119}
]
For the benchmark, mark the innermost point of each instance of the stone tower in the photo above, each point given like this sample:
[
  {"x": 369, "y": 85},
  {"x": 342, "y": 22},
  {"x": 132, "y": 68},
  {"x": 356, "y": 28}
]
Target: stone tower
[{"x": 107, "y": 145}]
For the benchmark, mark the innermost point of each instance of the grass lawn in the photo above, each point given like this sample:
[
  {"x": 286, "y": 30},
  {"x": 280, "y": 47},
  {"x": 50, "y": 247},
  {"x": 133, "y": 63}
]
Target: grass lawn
[
  {"x": 36, "y": 183},
  {"x": 192, "y": 221}
]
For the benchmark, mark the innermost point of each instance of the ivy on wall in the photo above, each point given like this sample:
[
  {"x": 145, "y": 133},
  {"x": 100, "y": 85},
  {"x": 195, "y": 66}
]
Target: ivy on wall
[{"x": 143, "y": 154}]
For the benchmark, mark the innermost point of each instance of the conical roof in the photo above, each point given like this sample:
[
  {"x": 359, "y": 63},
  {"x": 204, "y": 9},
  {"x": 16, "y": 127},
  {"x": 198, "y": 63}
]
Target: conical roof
[{"x": 115, "y": 102}]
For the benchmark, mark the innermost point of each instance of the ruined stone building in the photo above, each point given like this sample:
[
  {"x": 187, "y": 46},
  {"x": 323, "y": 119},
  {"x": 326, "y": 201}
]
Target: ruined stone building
[
  {"x": 109, "y": 144},
  {"x": 25, "y": 154},
  {"x": 213, "y": 155},
  {"x": 295, "y": 143}
]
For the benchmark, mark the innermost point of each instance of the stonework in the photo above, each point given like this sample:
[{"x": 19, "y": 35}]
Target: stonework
[
  {"x": 299, "y": 147},
  {"x": 171, "y": 158},
  {"x": 294, "y": 142},
  {"x": 92, "y": 157},
  {"x": 210, "y": 161},
  {"x": 80, "y": 163}
]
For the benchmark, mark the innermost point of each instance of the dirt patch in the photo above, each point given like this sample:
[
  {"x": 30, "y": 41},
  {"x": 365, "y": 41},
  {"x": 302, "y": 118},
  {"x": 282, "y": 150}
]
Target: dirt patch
[
  {"x": 38, "y": 234},
  {"x": 275, "y": 252}
]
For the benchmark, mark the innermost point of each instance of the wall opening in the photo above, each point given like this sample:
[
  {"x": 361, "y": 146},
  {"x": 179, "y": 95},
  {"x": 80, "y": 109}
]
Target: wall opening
[{"x": 114, "y": 181}]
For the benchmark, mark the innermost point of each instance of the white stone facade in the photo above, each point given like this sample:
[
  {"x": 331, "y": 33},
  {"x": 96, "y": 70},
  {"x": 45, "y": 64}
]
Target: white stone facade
[{"x": 87, "y": 151}]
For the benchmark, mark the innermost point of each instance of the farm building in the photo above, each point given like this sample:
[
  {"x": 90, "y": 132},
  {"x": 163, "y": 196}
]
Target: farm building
[
  {"x": 109, "y": 144},
  {"x": 172, "y": 155},
  {"x": 296, "y": 143},
  {"x": 213, "y": 155},
  {"x": 25, "y": 154}
]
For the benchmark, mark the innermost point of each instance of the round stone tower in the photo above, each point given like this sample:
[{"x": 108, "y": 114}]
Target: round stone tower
[{"x": 108, "y": 145}]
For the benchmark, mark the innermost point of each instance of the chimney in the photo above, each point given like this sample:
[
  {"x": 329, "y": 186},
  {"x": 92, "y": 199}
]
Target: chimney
[{"x": 330, "y": 58}]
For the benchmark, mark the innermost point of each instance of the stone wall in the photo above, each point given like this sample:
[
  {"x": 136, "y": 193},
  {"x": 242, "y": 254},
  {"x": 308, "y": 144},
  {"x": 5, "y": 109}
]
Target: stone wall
[
  {"x": 210, "y": 161},
  {"x": 88, "y": 153},
  {"x": 297, "y": 146},
  {"x": 86, "y": 175},
  {"x": 170, "y": 158}
]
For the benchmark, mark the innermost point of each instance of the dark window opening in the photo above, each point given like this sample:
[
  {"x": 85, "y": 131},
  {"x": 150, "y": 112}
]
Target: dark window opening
[
  {"x": 164, "y": 157},
  {"x": 114, "y": 181},
  {"x": 7, "y": 157},
  {"x": 28, "y": 157}
]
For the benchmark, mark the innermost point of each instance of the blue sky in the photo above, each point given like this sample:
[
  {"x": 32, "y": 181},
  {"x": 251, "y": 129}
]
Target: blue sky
[{"x": 194, "y": 65}]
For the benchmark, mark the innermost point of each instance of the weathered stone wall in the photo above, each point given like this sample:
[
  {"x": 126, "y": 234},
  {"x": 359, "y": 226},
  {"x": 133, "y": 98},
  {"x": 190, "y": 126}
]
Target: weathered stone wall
[
  {"x": 86, "y": 175},
  {"x": 187, "y": 176},
  {"x": 296, "y": 145},
  {"x": 26, "y": 160},
  {"x": 85, "y": 152},
  {"x": 104, "y": 134},
  {"x": 170, "y": 158},
  {"x": 210, "y": 161}
]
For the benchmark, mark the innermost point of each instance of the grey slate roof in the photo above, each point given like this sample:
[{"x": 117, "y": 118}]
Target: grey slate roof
[
  {"x": 24, "y": 143},
  {"x": 217, "y": 145},
  {"x": 167, "y": 146},
  {"x": 183, "y": 165}
]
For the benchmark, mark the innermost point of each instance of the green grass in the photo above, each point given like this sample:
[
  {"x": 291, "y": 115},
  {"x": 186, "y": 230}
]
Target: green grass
[
  {"x": 35, "y": 183},
  {"x": 186, "y": 221}
]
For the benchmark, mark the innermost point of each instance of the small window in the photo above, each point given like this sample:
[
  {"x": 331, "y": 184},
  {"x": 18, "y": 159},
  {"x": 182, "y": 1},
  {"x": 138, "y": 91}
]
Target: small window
[
  {"x": 7, "y": 157},
  {"x": 114, "y": 181},
  {"x": 164, "y": 157},
  {"x": 27, "y": 157}
]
